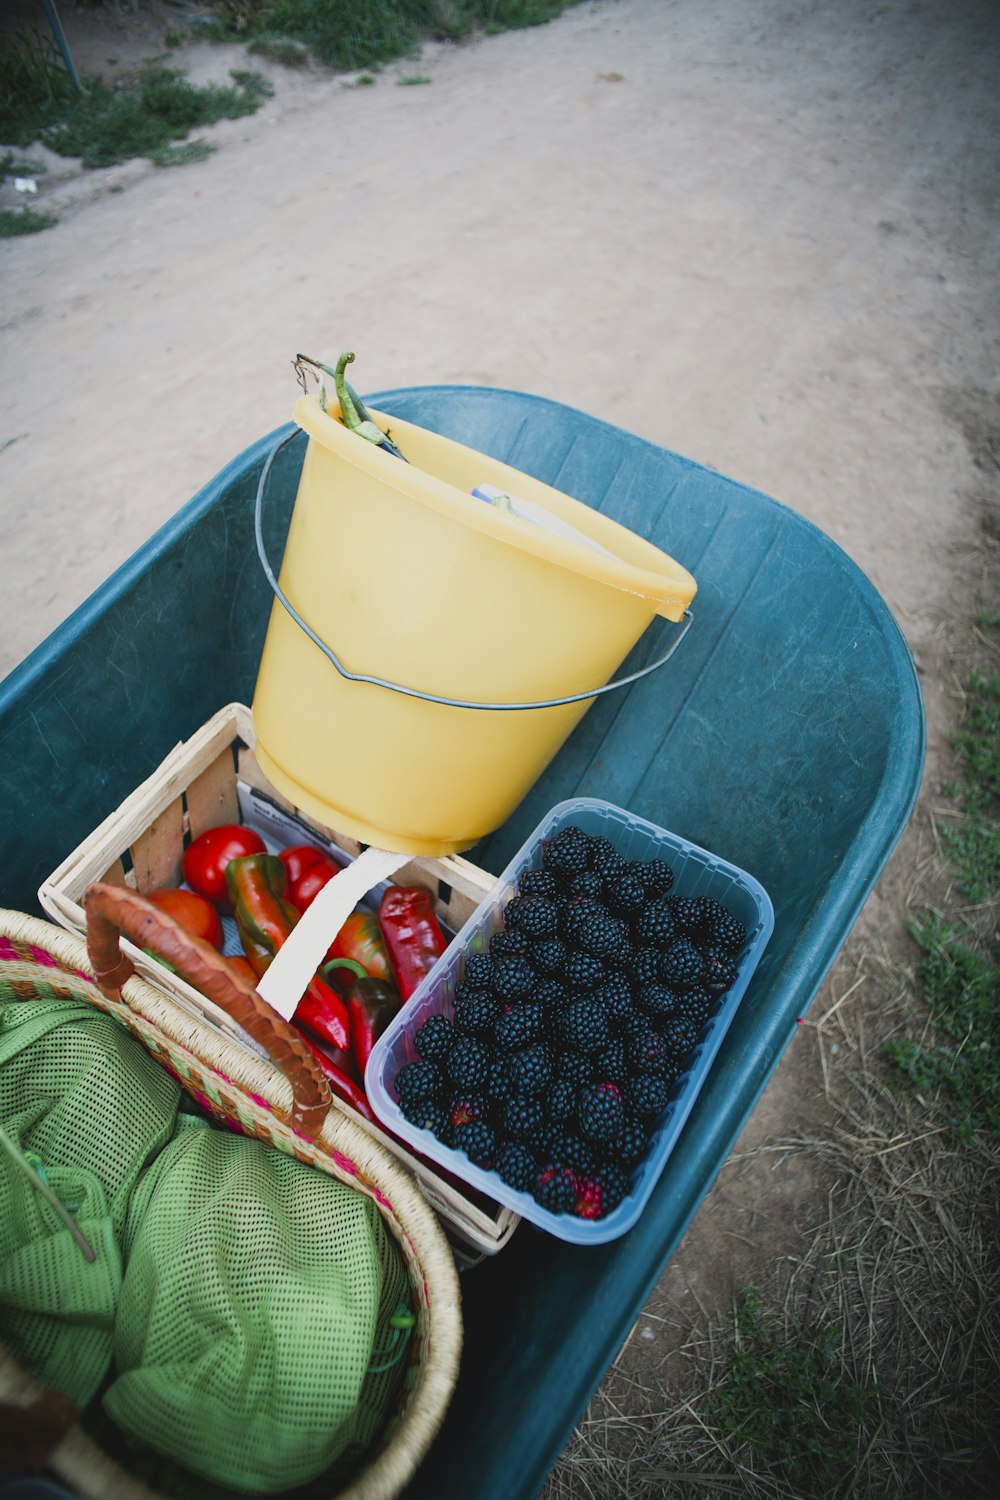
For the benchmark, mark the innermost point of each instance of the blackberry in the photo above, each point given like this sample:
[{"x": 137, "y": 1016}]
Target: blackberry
[
  {"x": 656, "y": 1000},
  {"x": 419, "y": 1081},
  {"x": 619, "y": 948},
  {"x": 720, "y": 970},
  {"x": 615, "y": 994},
  {"x": 596, "y": 935},
  {"x": 582, "y": 971},
  {"x": 477, "y": 1015},
  {"x": 610, "y": 1062},
  {"x": 571, "y": 1149},
  {"x": 477, "y": 971},
  {"x": 647, "y": 1094},
  {"x": 575, "y": 1067},
  {"x": 507, "y": 941},
  {"x": 468, "y": 1064},
  {"x": 589, "y": 885},
  {"x": 695, "y": 1006},
  {"x": 547, "y": 955},
  {"x": 515, "y": 1165},
  {"x": 721, "y": 927},
  {"x": 566, "y": 852},
  {"x": 538, "y": 883},
  {"x": 645, "y": 965},
  {"x": 576, "y": 913},
  {"x": 682, "y": 965},
  {"x": 531, "y": 1069},
  {"x": 656, "y": 924},
  {"x": 560, "y": 1100},
  {"x": 584, "y": 1026},
  {"x": 625, "y": 895},
  {"x": 600, "y": 1193},
  {"x": 513, "y": 976},
  {"x": 498, "y": 1079},
  {"x": 680, "y": 1037},
  {"x": 426, "y": 1115},
  {"x": 647, "y": 1052},
  {"x": 466, "y": 991},
  {"x": 464, "y": 1108},
  {"x": 434, "y": 1038},
  {"x": 549, "y": 992},
  {"x": 478, "y": 1140},
  {"x": 518, "y": 1025},
  {"x": 555, "y": 1188},
  {"x": 535, "y": 916},
  {"x": 521, "y": 1117},
  {"x": 655, "y": 874},
  {"x": 630, "y": 1146},
  {"x": 603, "y": 858},
  {"x": 601, "y": 1114},
  {"x": 688, "y": 914}
]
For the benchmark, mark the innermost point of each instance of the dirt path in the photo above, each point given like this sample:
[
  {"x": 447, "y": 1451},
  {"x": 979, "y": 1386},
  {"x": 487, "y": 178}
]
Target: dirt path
[{"x": 762, "y": 235}]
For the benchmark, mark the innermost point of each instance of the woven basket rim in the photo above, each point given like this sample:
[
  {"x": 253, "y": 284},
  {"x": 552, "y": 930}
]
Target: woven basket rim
[{"x": 82, "y": 1462}]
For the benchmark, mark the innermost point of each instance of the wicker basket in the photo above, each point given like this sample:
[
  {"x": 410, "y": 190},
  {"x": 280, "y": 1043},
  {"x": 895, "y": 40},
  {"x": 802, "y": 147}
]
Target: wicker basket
[
  {"x": 282, "y": 1101},
  {"x": 140, "y": 846}
]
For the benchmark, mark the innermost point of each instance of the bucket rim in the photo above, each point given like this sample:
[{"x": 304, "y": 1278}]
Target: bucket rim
[{"x": 666, "y": 585}]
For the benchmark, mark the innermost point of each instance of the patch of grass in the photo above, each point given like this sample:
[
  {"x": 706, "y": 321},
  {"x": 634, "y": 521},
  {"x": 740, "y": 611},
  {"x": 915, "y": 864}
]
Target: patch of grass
[
  {"x": 961, "y": 985},
  {"x": 18, "y": 166},
  {"x": 349, "y": 34},
  {"x": 959, "y": 976},
  {"x": 107, "y": 126},
  {"x": 286, "y": 50},
  {"x": 411, "y": 80},
  {"x": 179, "y": 156},
  {"x": 14, "y": 221},
  {"x": 792, "y": 1403}
]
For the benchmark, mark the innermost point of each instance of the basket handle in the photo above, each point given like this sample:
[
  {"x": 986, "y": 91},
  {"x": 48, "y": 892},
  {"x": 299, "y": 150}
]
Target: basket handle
[
  {"x": 114, "y": 911},
  {"x": 411, "y": 692}
]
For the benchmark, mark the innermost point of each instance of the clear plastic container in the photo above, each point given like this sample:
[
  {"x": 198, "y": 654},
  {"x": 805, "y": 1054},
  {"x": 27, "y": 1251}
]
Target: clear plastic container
[{"x": 696, "y": 873}]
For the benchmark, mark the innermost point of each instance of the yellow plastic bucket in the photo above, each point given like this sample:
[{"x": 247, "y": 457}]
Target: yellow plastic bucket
[{"x": 398, "y": 589}]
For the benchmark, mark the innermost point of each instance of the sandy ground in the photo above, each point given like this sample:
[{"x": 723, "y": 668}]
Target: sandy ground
[{"x": 764, "y": 235}]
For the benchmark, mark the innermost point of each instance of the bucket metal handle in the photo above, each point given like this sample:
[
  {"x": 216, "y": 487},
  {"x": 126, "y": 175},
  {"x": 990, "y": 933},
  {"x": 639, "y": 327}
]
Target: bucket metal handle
[{"x": 398, "y": 687}]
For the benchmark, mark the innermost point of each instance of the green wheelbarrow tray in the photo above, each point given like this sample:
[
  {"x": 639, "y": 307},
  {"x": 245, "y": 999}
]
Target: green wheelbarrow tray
[{"x": 786, "y": 735}]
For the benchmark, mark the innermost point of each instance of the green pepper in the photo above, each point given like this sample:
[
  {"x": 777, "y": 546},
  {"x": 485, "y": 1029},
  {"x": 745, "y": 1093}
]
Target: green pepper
[{"x": 371, "y": 1002}]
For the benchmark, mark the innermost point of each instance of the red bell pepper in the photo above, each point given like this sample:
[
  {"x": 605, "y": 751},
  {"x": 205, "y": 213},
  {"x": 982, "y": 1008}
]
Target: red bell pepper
[
  {"x": 256, "y": 885},
  {"x": 372, "y": 1004},
  {"x": 412, "y": 934}
]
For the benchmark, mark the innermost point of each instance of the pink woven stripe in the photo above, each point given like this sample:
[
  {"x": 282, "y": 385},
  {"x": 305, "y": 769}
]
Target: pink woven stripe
[
  {"x": 43, "y": 956},
  {"x": 7, "y": 949}
]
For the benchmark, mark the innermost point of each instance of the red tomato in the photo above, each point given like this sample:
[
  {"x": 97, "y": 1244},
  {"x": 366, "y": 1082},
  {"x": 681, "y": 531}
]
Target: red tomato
[
  {"x": 192, "y": 912},
  {"x": 304, "y": 892},
  {"x": 206, "y": 857},
  {"x": 300, "y": 858}
]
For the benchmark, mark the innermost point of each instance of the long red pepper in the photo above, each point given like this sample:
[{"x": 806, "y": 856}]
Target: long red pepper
[
  {"x": 345, "y": 1088},
  {"x": 412, "y": 934},
  {"x": 372, "y": 1004}
]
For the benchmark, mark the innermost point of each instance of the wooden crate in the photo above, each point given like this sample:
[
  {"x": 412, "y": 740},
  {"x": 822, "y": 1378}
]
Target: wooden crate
[{"x": 141, "y": 845}]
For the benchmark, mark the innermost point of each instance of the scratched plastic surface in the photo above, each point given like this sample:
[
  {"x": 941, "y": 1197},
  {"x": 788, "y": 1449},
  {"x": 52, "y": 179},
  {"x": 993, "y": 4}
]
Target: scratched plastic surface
[{"x": 787, "y": 737}]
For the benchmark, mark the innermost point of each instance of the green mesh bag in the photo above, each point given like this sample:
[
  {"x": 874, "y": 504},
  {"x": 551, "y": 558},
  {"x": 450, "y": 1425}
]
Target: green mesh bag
[
  {"x": 84, "y": 1109},
  {"x": 257, "y": 1295}
]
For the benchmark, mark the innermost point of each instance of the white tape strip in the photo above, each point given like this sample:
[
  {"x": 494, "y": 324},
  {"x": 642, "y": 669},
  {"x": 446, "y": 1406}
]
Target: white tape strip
[{"x": 284, "y": 981}]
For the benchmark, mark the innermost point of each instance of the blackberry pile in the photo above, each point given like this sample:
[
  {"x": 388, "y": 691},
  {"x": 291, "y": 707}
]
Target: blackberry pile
[{"x": 571, "y": 1031}]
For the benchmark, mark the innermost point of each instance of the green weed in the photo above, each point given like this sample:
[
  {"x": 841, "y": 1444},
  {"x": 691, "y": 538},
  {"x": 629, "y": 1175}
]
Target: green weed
[
  {"x": 17, "y": 166},
  {"x": 106, "y": 126},
  {"x": 179, "y": 156},
  {"x": 351, "y": 34},
  {"x": 23, "y": 221},
  {"x": 411, "y": 80},
  {"x": 959, "y": 976},
  {"x": 961, "y": 986},
  {"x": 792, "y": 1403}
]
